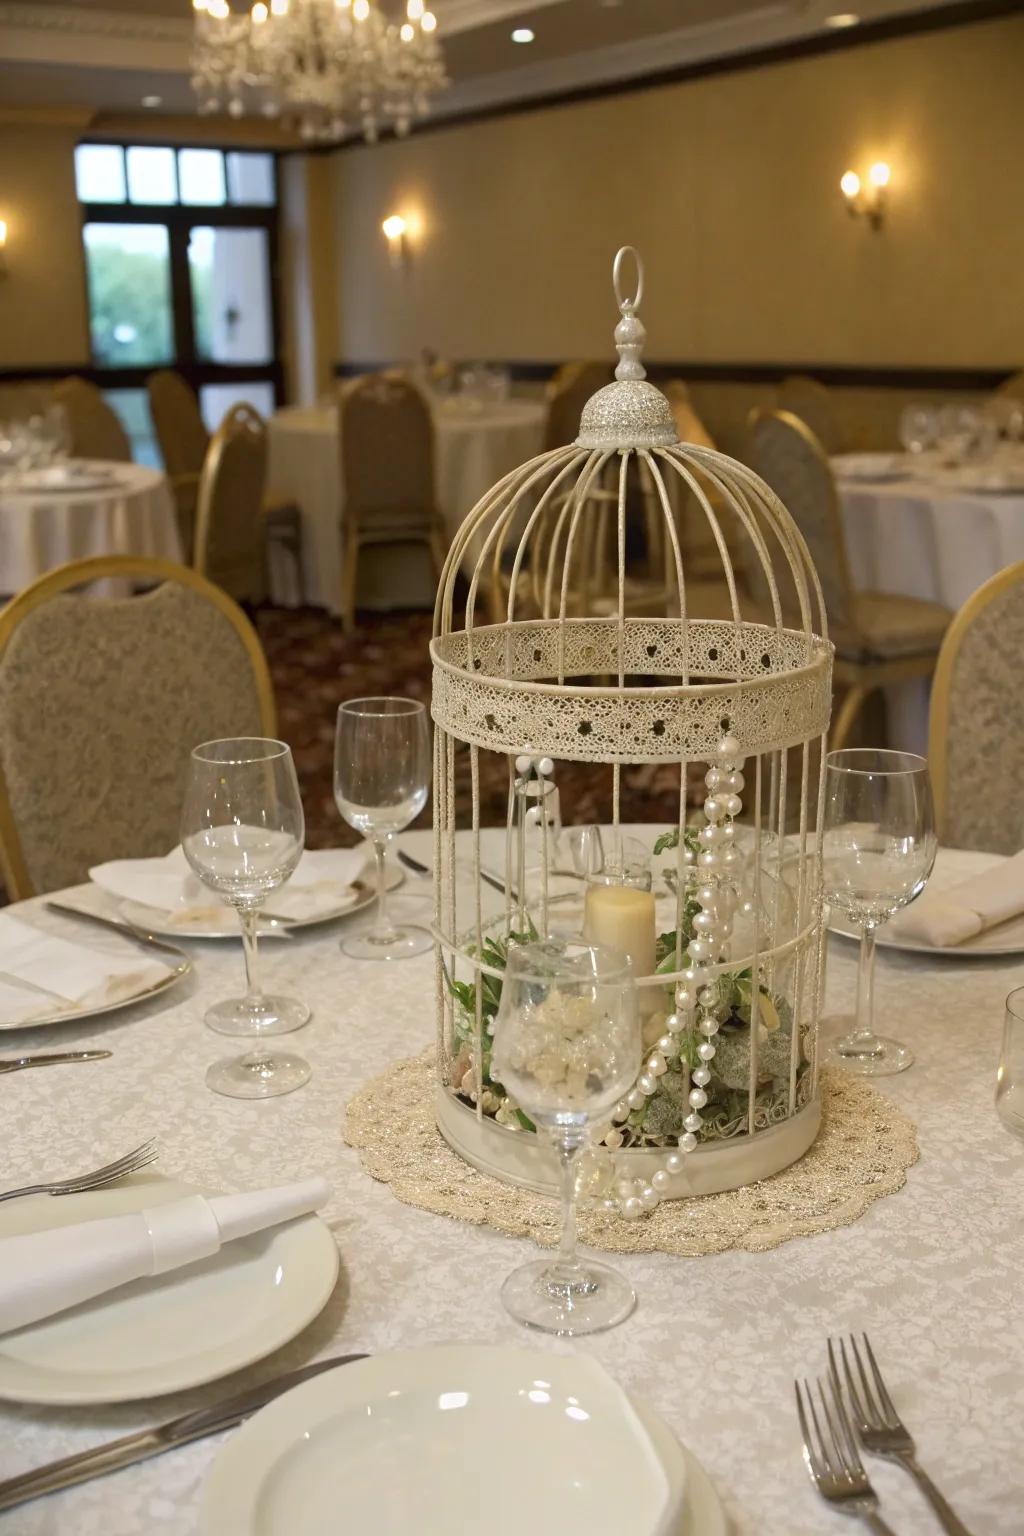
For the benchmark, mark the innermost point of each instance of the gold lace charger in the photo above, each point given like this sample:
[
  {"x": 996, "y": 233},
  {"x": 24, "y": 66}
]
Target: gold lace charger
[{"x": 863, "y": 1151}]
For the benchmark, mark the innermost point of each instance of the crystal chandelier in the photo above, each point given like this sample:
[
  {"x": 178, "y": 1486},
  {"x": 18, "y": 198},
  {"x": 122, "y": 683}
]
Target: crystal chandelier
[{"x": 327, "y": 66}]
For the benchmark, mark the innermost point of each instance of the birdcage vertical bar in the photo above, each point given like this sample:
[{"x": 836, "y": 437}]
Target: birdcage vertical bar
[
  {"x": 755, "y": 967},
  {"x": 478, "y": 1037},
  {"x": 801, "y": 958}
]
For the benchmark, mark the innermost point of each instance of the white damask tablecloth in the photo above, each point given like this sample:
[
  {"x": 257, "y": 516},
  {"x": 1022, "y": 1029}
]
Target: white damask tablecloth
[
  {"x": 933, "y": 1272},
  {"x": 474, "y": 448},
  {"x": 39, "y": 529}
]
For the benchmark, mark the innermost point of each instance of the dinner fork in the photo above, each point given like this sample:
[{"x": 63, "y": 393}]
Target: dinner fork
[
  {"x": 833, "y": 1460},
  {"x": 120, "y": 1169},
  {"x": 880, "y": 1428}
]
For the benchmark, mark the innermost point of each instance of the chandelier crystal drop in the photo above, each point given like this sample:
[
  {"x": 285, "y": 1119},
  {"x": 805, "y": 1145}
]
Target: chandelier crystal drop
[{"x": 330, "y": 67}]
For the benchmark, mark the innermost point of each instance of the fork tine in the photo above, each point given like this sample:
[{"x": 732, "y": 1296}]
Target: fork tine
[
  {"x": 811, "y": 1456},
  {"x": 829, "y": 1460},
  {"x": 886, "y": 1400},
  {"x": 142, "y": 1155},
  {"x": 873, "y": 1412},
  {"x": 120, "y": 1173},
  {"x": 854, "y": 1465},
  {"x": 838, "y": 1458},
  {"x": 851, "y": 1386}
]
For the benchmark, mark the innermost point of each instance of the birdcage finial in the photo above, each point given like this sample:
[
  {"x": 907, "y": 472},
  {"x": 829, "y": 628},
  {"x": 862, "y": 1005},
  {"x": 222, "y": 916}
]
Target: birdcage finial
[{"x": 631, "y": 413}]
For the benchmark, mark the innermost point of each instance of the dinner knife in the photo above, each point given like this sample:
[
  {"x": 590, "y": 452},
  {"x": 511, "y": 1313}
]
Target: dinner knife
[
  {"x": 51, "y": 1059},
  {"x": 422, "y": 869},
  {"x": 85, "y": 1465},
  {"x": 129, "y": 931}
]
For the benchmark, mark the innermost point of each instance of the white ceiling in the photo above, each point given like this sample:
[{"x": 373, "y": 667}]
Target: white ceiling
[{"x": 106, "y": 55}]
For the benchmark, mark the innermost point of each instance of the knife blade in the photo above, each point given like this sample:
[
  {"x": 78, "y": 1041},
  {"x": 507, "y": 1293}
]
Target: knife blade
[
  {"x": 51, "y": 1059},
  {"x": 422, "y": 869},
  {"x": 129, "y": 930},
  {"x": 85, "y": 1465}
]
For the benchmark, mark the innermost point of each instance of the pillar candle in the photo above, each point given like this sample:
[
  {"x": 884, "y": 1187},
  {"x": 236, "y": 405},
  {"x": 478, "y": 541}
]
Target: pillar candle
[{"x": 622, "y": 917}]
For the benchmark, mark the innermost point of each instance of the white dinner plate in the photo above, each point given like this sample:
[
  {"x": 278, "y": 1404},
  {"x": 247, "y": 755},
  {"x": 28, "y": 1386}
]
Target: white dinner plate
[
  {"x": 175, "y": 1331},
  {"x": 222, "y": 923},
  {"x": 951, "y": 866},
  {"x": 176, "y": 971},
  {"x": 873, "y": 467},
  {"x": 67, "y": 477},
  {"x": 993, "y": 482},
  {"x": 450, "y": 1440}
]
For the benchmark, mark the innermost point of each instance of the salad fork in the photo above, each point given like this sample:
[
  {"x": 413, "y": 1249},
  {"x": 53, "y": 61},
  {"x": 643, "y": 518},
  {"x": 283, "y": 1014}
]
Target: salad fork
[
  {"x": 833, "y": 1460},
  {"x": 119, "y": 1169},
  {"x": 880, "y": 1428}
]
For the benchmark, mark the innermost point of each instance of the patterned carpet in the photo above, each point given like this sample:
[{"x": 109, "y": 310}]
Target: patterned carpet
[{"x": 315, "y": 667}]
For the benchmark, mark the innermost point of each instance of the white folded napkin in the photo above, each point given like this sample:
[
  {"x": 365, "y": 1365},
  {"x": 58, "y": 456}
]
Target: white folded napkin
[
  {"x": 46, "y": 1272},
  {"x": 948, "y": 917},
  {"x": 41, "y": 974},
  {"x": 324, "y": 880}
]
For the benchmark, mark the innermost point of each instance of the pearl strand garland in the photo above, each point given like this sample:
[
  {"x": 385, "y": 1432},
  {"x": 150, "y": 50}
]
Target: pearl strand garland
[{"x": 697, "y": 996}]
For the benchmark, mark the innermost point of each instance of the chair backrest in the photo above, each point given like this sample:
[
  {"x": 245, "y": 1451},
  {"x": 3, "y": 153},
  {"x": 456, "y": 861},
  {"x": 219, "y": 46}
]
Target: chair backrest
[
  {"x": 1013, "y": 386},
  {"x": 101, "y": 702},
  {"x": 180, "y": 429},
  {"x": 976, "y": 731},
  {"x": 230, "y": 536},
  {"x": 786, "y": 453},
  {"x": 387, "y": 453},
  {"x": 688, "y": 424},
  {"x": 567, "y": 394},
  {"x": 813, "y": 403},
  {"x": 96, "y": 432}
]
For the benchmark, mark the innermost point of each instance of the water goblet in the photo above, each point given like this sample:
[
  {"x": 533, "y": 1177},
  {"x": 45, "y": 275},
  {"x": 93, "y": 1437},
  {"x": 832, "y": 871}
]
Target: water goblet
[
  {"x": 919, "y": 428},
  {"x": 879, "y": 846},
  {"x": 381, "y": 781},
  {"x": 242, "y": 831},
  {"x": 1010, "y": 1076},
  {"x": 567, "y": 1046}
]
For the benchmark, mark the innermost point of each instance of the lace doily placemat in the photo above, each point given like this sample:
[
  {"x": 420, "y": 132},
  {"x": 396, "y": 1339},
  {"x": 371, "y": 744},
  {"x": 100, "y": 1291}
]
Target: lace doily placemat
[{"x": 863, "y": 1151}]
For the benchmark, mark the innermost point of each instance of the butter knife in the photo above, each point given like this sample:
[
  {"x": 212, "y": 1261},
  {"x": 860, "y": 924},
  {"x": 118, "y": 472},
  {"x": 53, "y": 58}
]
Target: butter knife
[
  {"x": 116, "y": 1454},
  {"x": 128, "y": 930},
  {"x": 51, "y": 1059},
  {"x": 422, "y": 869}
]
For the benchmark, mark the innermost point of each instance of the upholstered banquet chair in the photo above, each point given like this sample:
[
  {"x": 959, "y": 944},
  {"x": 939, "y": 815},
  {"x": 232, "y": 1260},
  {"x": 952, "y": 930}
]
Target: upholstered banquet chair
[
  {"x": 813, "y": 404},
  {"x": 387, "y": 471},
  {"x": 702, "y": 558},
  {"x": 567, "y": 393},
  {"x": 101, "y": 702},
  {"x": 230, "y": 543},
  {"x": 183, "y": 440},
  {"x": 96, "y": 432},
  {"x": 976, "y": 732},
  {"x": 880, "y": 638},
  {"x": 1013, "y": 386}
]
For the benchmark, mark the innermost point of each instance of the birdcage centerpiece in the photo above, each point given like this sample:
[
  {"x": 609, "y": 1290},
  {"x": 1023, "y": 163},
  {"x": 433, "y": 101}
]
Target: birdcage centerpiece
[{"x": 570, "y": 652}]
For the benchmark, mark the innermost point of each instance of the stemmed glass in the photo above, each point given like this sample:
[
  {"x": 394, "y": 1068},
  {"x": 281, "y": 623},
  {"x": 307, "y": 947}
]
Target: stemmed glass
[
  {"x": 567, "y": 1046},
  {"x": 879, "y": 847},
  {"x": 381, "y": 780},
  {"x": 919, "y": 428},
  {"x": 242, "y": 830}
]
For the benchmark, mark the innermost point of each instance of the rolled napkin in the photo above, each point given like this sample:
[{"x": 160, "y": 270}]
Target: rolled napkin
[
  {"x": 46, "y": 1272},
  {"x": 324, "y": 880},
  {"x": 945, "y": 918},
  {"x": 41, "y": 974}
]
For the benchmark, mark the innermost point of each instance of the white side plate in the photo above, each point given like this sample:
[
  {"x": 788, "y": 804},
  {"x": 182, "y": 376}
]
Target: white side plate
[
  {"x": 951, "y": 867},
  {"x": 175, "y": 1331},
  {"x": 176, "y": 971}
]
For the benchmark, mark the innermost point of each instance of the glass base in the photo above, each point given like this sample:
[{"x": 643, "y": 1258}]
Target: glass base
[
  {"x": 399, "y": 944},
  {"x": 537, "y": 1296},
  {"x": 274, "y": 1016},
  {"x": 884, "y": 1059},
  {"x": 262, "y": 1076}
]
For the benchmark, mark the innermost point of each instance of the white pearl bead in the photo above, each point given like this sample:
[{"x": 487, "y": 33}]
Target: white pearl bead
[
  {"x": 714, "y": 779},
  {"x": 673, "y": 1164},
  {"x": 728, "y": 748},
  {"x": 546, "y": 767},
  {"x": 675, "y": 1023},
  {"x": 635, "y": 1099},
  {"x": 701, "y": 1077},
  {"x": 706, "y": 1050},
  {"x": 649, "y": 1197},
  {"x": 708, "y": 858},
  {"x": 614, "y": 1139},
  {"x": 728, "y": 831},
  {"x": 708, "y": 1026},
  {"x": 734, "y": 782},
  {"x": 621, "y": 1110},
  {"x": 693, "y": 1123},
  {"x": 715, "y": 809},
  {"x": 523, "y": 763},
  {"x": 632, "y": 1209},
  {"x": 646, "y": 1084},
  {"x": 625, "y": 1188},
  {"x": 710, "y": 835},
  {"x": 656, "y": 1064},
  {"x": 609, "y": 1205},
  {"x": 668, "y": 1045},
  {"x": 732, "y": 805},
  {"x": 687, "y": 855},
  {"x": 730, "y": 856},
  {"x": 708, "y": 996},
  {"x": 704, "y": 922},
  {"x": 707, "y": 895},
  {"x": 661, "y": 1181},
  {"x": 688, "y": 1142},
  {"x": 700, "y": 949},
  {"x": 698, "y": 1098}
]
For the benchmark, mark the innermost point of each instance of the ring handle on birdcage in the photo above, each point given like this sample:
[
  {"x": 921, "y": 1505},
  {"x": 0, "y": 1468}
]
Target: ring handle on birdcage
[{"x": 628, "y": 305}]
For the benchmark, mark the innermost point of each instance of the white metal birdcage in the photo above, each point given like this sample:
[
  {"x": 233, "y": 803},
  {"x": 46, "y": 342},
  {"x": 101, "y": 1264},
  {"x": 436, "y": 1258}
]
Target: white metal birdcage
[{"x": 562, "y": 669}]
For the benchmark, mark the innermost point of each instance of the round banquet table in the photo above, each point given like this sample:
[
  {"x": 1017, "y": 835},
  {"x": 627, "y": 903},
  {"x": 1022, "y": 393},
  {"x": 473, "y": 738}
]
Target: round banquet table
[
  {"x": 43, "y": 527},
  {"x": 474, "y": 448},
  {"x": 927, "y": 536},
  {"x": 933, "y": 1272}
]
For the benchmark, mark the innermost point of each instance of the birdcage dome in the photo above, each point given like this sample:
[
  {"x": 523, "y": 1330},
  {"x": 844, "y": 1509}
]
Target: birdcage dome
[{"x": 575, "y": 647}]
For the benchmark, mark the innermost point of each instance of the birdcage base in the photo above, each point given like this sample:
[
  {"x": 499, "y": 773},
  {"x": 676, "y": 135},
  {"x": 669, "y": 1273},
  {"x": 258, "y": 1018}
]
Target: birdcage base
[{"x": 524, "y": 1159}]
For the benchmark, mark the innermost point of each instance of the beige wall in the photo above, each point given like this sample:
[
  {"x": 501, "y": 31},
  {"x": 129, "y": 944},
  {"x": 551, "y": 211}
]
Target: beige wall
[
  {"x": 43, "y": 319},
  {"x": 729, "y": 185}
]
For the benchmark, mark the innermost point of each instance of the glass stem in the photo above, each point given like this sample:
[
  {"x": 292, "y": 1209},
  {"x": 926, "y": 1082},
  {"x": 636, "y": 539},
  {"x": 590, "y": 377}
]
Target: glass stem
[
  {"x": 248, "y": 918},
  {"x": 568, "y": 1146},
  {"x": 383, "y": 931},
  {"x": 864, "y": 1041}
]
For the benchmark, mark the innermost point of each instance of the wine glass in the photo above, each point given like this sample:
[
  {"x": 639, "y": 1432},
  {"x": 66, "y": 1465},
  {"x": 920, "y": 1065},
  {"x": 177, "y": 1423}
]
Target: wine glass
[
  {"x": 381, "y": 779},
  {"x": 919, "y": 428},
  {"x": 1010, "y": 1076},
  {"x": 242, "y": 831},
  {"x": 879, "y": 846},
  {"x": 567, "y": 1046}
]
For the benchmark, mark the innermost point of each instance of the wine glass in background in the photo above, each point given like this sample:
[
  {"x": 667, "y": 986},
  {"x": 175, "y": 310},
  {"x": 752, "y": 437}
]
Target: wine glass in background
[
  {"x": 243, "y": 830},
  {"x": 567, "y": 1046},
  {"x": 381, "y": 780},
  {"x": 58, "y": 432},
  {"x": 879, "y": 847},
  {"x": 919, "y": 428}
]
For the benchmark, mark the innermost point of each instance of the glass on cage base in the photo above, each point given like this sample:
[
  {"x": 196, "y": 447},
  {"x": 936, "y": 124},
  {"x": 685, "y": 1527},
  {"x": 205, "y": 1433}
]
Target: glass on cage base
[
  {"x": 585, "y": 1299},
  {"x": 267, "y": 1014},
  {"x": 259, "y": 1075},
  {"x": 874, "y": 1056}
]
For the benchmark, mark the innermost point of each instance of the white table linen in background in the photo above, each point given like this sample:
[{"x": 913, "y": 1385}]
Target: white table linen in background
[
  {"x": 934, "y": 1272},
  {"x": 40, "y": 529},
  {"x": 926, "y": 537},
  {"x": 473, "y": 450}
]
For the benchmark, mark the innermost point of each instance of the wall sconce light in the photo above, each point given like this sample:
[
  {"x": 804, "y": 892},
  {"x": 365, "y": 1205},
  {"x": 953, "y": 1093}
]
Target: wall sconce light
[
  {"x": 3, "y": 247},
  {"x": 395, "y": 227},
  {"x": 868, "y": 200}
]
